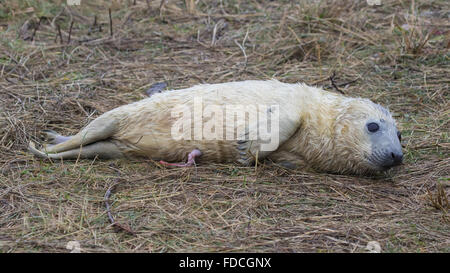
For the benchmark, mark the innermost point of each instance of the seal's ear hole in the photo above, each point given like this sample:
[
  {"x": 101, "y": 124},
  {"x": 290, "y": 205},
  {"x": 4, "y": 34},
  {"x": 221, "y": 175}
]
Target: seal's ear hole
[
  {"x": 373, "y": 127},
  {"x": 399, "y": 135}
]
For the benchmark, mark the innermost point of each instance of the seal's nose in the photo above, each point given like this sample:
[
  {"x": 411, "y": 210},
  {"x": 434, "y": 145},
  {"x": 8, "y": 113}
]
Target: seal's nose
[
  {"x": 392, "y": 159},
  {"x": 397, "y": 157}
]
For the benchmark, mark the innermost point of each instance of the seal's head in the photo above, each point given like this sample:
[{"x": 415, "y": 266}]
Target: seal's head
[{"x": 368, "y": 137}]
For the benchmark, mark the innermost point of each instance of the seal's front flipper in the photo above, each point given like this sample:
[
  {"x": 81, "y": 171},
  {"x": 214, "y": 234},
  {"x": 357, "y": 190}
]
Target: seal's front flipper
[{"x": 191, "y": 160}]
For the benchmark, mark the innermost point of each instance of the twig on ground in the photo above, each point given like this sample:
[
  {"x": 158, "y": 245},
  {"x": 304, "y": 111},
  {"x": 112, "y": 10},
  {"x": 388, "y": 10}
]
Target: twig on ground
[
  {"x": 333, "y": 83},
  {"x": 70, "y": 32},
  {"x": 59, "y": 34},
  {"x": 36, "y": 28},
  {"x": 110, "y": 23},
  {"x": 161, "y": 8},
  {"x": 242, "y": 47},
  {"x": 118, "y": 226}
]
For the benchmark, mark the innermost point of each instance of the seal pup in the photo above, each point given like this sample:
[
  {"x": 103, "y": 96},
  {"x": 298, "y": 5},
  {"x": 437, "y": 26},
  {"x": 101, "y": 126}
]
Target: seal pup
[{"x": 328, "y": 131}]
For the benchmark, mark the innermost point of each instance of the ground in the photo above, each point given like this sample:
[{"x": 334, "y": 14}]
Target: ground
[{"x": 395, "y": 53}]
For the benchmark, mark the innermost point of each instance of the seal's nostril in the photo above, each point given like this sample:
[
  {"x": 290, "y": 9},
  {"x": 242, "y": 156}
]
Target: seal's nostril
[{"x": 397, "y": 158}]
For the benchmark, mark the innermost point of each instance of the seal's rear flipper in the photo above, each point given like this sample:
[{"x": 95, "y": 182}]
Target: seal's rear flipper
[
  {"x": 53, "y": 137},
  {"x": 32, "y": 149},
  {"x": 101, "y": 149},
  {"x": 98, "y": 130}
]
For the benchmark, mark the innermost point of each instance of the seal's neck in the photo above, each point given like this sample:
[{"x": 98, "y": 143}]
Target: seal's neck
[
  {"x": 314, "y": 140},
  {"x": 320, "y": 109}
]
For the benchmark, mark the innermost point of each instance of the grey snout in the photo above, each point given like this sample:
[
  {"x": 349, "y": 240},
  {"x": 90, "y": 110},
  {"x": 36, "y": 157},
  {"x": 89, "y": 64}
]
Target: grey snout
[
  {"x": 397, "y": 158},
  {"x": 391, "y": 159},
  {"x": 386, "y": 147}
]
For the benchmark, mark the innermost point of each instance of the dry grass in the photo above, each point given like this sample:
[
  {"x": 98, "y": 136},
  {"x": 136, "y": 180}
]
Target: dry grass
[{"x": 398, "y": 53}]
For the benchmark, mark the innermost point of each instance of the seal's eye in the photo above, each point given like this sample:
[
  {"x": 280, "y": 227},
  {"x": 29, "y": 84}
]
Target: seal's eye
[
  {"x": 399, "y": 135},
  {"x": 373, "y": 127}
]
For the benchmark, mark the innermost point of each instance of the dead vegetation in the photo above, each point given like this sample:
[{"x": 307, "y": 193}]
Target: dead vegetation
[{"x": 61, "y": 66}]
